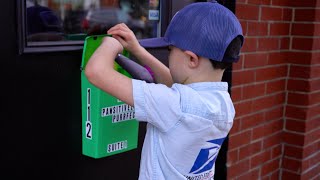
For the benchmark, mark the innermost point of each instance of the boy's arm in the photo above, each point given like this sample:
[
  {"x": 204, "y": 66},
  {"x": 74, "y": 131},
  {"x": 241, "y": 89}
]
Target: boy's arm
[
  {"x": 161, "y": 72},
  {"x": 134, "y": 69},
  {"x": 129, "y": 41},
  {"x": 101, "y": 73}
]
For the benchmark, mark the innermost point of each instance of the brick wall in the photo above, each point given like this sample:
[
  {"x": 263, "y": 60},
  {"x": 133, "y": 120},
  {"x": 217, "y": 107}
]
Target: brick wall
[
  {"x": 108, "y": 3},
  {"x": 276, "y": 91}
]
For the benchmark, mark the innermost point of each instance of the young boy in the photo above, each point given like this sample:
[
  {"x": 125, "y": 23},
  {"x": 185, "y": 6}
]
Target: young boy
[{"x": 189, "y": 111}]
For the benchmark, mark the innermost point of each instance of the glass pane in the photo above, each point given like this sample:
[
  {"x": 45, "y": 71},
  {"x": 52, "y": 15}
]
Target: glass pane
[{"x": 72, "y": 20}]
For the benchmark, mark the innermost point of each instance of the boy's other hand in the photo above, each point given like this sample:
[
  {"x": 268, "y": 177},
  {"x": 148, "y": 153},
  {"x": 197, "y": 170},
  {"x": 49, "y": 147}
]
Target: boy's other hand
[
  {"x": 125, "y": 36},
  {"x": 112, "y": 44}
]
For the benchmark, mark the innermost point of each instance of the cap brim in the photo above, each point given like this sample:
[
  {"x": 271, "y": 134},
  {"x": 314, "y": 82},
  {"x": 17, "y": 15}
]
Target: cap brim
[{"x": 154, "y": 42}]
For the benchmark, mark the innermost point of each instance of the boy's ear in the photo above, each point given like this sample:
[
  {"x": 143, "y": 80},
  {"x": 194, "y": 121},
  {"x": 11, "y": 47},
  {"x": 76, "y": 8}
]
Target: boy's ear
[{"x": 194, "y": 59}]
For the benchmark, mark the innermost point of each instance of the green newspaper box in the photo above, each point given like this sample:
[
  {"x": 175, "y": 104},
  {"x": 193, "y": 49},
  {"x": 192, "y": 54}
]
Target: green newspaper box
[{"x": 108, "y": 124}]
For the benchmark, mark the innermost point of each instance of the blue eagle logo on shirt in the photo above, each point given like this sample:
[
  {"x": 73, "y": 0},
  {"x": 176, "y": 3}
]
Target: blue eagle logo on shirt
[{"x": 207, "y": 157}]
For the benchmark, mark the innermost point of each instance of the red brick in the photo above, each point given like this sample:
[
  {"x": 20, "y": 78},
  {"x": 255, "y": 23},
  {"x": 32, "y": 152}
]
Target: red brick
[
  {"x": 278, "y": 29},
  {"x": 310, "y": 162},
  {"x": 303, "y": 58},
  {"x": 267, "y": 129},
  {"x": 272, "y": 140},
  {"x": 259, "y": 2},
  {"x": 291, "y": 164},
  {"x": 295, "y": 125},
  {"x": 315, "y": 160},
  {"x": 271, "y": 14},
  {"x": 256, "y": 60},
  {"x": 257, "y": 29},
  {"x": 276, "y": 86},
  {"x": 270, "y": 167},
  {"x": 276, "y": 151},
  {"x": 275, "y": 175},
  {"x": 238, "y": 169},
  {"x": 268, "y": 102},
  {"x": 298, "y": 85},
  {"x": 258, "y": 132},
  {"x": 236, "y": 94},
  {"x": 293, "y": 151},
  {"x": 316, "y": 30},
  {"x": 316, "y": 44},
  {"x": 275, "y": 126},
  {"x": 243, "y": 108},
  {"x": 299, "y": 3},
  {"x": 315, "y": 58},
  {"x": 302, "y": 113},
  {"x": 312, "y": 174},
  {"x": 253, "y": 91},
  {"x": 238, "y": 65},
  {"x": 250, "y": 150},
  {"x": 275, "y": 113},
  {"x": 315, "y": 85},
  {"x": 315, "y": 72},
  {"x": 307, "y": 15},
  {"x": 310, "y": 149},
  {"x": 233, "y": 156},
  {"x": 236, "y": 126},
  {"x": 243, "y": 77},
  {"x": 252, "y": 120},
  {"x": 296, "y": 112},
  {"x": 302, "y": 43},
  {"x": 244, "y": 25},
  {"x": 287, "y": 14},
  {"x": 303, "y": 85},
  {"x": 247, "y": 12},
  {"x": 314, "y": 111},
  {"x": 299, "y": 71},
  {"x": 268, "y": 44},
  {"x": 293, "y": 138},
  {"x": 284, "y": 43},
  {"x": 317, "y": 14},
  {"x": 250, "y": 45},
  {"x": 255, "y": 174},
  {"x": 312, "y": 124},
  {"x": 303, "y": 29},
  {"x": 270, "y": 73},
  {"x": 303, "y": 98},
  {"x": 298, "y": 99},
  {"x": 280, "y": 2},
  {"x": 290, "y": 175},
  {"x": 277, "y": 58},
  {"x": 304, "y": 165},
  {"x": 260, "y": 159},
  {"x": 239, "y": 139},
  {"x": 312, "y": 136}
]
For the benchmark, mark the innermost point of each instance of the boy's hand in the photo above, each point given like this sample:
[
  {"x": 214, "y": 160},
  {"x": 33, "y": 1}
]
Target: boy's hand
[
  {"x": 125, "y": 36},
  {"x": 112, "y": 44}
]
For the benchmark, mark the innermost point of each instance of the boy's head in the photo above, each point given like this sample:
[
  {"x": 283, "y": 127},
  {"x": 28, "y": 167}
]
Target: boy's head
[{"x": 207, "y": 29}]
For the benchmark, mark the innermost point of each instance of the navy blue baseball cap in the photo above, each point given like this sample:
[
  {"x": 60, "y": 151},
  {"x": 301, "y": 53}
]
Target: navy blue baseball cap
[{"x": 205, "y": 28}]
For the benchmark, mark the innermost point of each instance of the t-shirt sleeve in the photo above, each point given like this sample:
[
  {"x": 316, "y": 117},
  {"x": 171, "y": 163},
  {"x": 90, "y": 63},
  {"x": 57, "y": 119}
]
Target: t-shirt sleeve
[{"x": 156, "y": 104}]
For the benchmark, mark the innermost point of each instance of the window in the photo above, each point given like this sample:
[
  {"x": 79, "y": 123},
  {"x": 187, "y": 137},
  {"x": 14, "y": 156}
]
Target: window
[{"x": 56, "y": 25}]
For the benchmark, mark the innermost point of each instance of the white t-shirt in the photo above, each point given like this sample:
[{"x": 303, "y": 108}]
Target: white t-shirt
[{"x": 186, "y": 127}]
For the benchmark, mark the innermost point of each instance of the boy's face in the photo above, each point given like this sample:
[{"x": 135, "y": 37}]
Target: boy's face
[{"x": 178, "y": 65}]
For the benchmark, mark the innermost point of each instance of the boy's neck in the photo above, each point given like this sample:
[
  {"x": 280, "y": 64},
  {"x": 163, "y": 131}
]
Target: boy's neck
[{"x": 214, "y": 76}]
